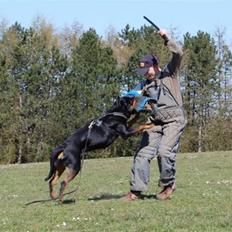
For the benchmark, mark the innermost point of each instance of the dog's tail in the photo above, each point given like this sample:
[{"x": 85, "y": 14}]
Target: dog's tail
[
  {"x": 52, "y": 169},
  {"x": 53, "y": 160}
]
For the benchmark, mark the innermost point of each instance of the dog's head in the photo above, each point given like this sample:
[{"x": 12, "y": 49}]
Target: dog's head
[
  {"x": 141, "y": 102},
  {"x": 129, "y": 105},
  {"x": 125, "y": 105}
]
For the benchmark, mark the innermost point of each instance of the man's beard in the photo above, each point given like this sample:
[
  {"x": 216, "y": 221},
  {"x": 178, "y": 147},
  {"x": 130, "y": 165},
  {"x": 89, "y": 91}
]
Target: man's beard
[{"x": 154, "y": 77}]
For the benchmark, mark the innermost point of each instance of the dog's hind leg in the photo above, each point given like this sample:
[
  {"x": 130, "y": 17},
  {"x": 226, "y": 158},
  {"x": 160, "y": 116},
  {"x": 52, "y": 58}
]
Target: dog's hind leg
[
  {"x": 71, "y": 173},
  {"x": 73, "y": 166},
  {"x": 59, "y": 170}
]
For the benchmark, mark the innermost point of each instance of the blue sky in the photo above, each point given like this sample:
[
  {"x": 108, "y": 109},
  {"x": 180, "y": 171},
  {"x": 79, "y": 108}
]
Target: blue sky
[{"x": 183, "y": 15}]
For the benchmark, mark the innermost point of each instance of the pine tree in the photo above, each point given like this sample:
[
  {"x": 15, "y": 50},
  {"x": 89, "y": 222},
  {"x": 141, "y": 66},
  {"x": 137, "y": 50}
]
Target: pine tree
[{"x": 201, "y": 81}]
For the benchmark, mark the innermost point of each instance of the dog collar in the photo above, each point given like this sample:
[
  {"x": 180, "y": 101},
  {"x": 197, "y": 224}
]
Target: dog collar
[{"x": 117, "y": 114}]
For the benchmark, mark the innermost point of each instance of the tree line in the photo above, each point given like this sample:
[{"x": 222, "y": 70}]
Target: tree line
[{"x": 52, "y": 83}]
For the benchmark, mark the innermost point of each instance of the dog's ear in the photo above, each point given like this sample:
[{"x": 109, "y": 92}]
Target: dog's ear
[
  {"x": 123, "y": 104},
  {"x": 116, "y": 103}
]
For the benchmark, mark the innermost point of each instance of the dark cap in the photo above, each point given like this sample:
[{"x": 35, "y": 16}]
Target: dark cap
[{"x": 145, "y": 63}]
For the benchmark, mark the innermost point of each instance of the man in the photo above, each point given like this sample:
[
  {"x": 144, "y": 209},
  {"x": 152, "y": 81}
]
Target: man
[{"x": 162, "y": 140}]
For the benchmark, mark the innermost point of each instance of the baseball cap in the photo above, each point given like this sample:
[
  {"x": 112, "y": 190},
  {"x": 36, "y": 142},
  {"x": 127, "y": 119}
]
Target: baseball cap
[{"x": 145, "y": 63}]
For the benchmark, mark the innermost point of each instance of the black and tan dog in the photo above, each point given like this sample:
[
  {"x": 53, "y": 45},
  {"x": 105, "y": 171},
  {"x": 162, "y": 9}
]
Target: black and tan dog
[{"x": 99, "y": 133}]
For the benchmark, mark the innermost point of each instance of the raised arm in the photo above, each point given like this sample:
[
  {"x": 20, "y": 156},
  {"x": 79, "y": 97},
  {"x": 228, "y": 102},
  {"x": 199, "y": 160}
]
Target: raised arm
[{"x": 176, "y": 50}]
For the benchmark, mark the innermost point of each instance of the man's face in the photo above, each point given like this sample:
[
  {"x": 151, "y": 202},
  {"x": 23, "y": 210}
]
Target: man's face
[{"x": 152, "y": 72}]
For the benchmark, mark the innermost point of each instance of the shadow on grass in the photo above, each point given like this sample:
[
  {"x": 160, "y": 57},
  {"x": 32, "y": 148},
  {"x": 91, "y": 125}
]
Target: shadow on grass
[
  {"x": 150, "y": 196},
  {"x": 105, "y": 197},
  {"x": 37, "y": 201},
  {"x": 118, "y": 196},
  {"x": 68, "y": 201}
]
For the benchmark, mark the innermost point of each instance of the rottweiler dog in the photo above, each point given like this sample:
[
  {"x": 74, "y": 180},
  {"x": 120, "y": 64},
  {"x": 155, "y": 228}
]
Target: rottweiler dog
[{"x": 96, "y": 134}]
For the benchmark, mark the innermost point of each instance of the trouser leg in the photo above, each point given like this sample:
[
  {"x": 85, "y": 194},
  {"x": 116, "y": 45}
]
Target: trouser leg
[
  {"x": 140, "y": 172},
  {"x": 167, "y": 152}
]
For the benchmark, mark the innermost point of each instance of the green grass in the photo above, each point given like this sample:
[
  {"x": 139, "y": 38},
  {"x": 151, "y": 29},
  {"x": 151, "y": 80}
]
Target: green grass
[{"x": 202, "y": 202}]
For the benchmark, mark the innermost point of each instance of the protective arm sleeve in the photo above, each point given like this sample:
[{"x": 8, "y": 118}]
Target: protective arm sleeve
[{"x": 177, "y": 53}]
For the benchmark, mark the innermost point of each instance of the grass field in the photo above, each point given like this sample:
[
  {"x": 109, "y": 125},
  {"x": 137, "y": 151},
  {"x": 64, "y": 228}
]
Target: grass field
[{"x": 202, "y": 202}]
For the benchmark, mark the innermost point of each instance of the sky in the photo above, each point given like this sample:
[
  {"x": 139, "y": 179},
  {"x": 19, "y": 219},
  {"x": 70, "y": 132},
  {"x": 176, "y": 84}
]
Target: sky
[{"x": 181, "y": 15}]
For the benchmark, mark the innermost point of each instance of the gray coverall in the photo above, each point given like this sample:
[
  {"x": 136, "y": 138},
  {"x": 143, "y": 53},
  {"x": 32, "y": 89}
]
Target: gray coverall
[{"x": 162, "y": 140}]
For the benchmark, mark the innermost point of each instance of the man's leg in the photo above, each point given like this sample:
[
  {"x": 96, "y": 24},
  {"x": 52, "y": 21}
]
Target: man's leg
[
  {"x": 140, "y": 172},
  {"x": 167, "y": 157}
]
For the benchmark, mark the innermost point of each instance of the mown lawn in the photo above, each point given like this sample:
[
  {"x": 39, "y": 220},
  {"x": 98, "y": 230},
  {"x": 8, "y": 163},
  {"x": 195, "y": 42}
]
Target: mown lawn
[{"x": 202, "y": 202}]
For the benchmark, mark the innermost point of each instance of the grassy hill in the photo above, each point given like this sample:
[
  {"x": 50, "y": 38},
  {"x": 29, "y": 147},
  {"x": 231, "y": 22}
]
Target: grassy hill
[{"x": 202, "y": 202}]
